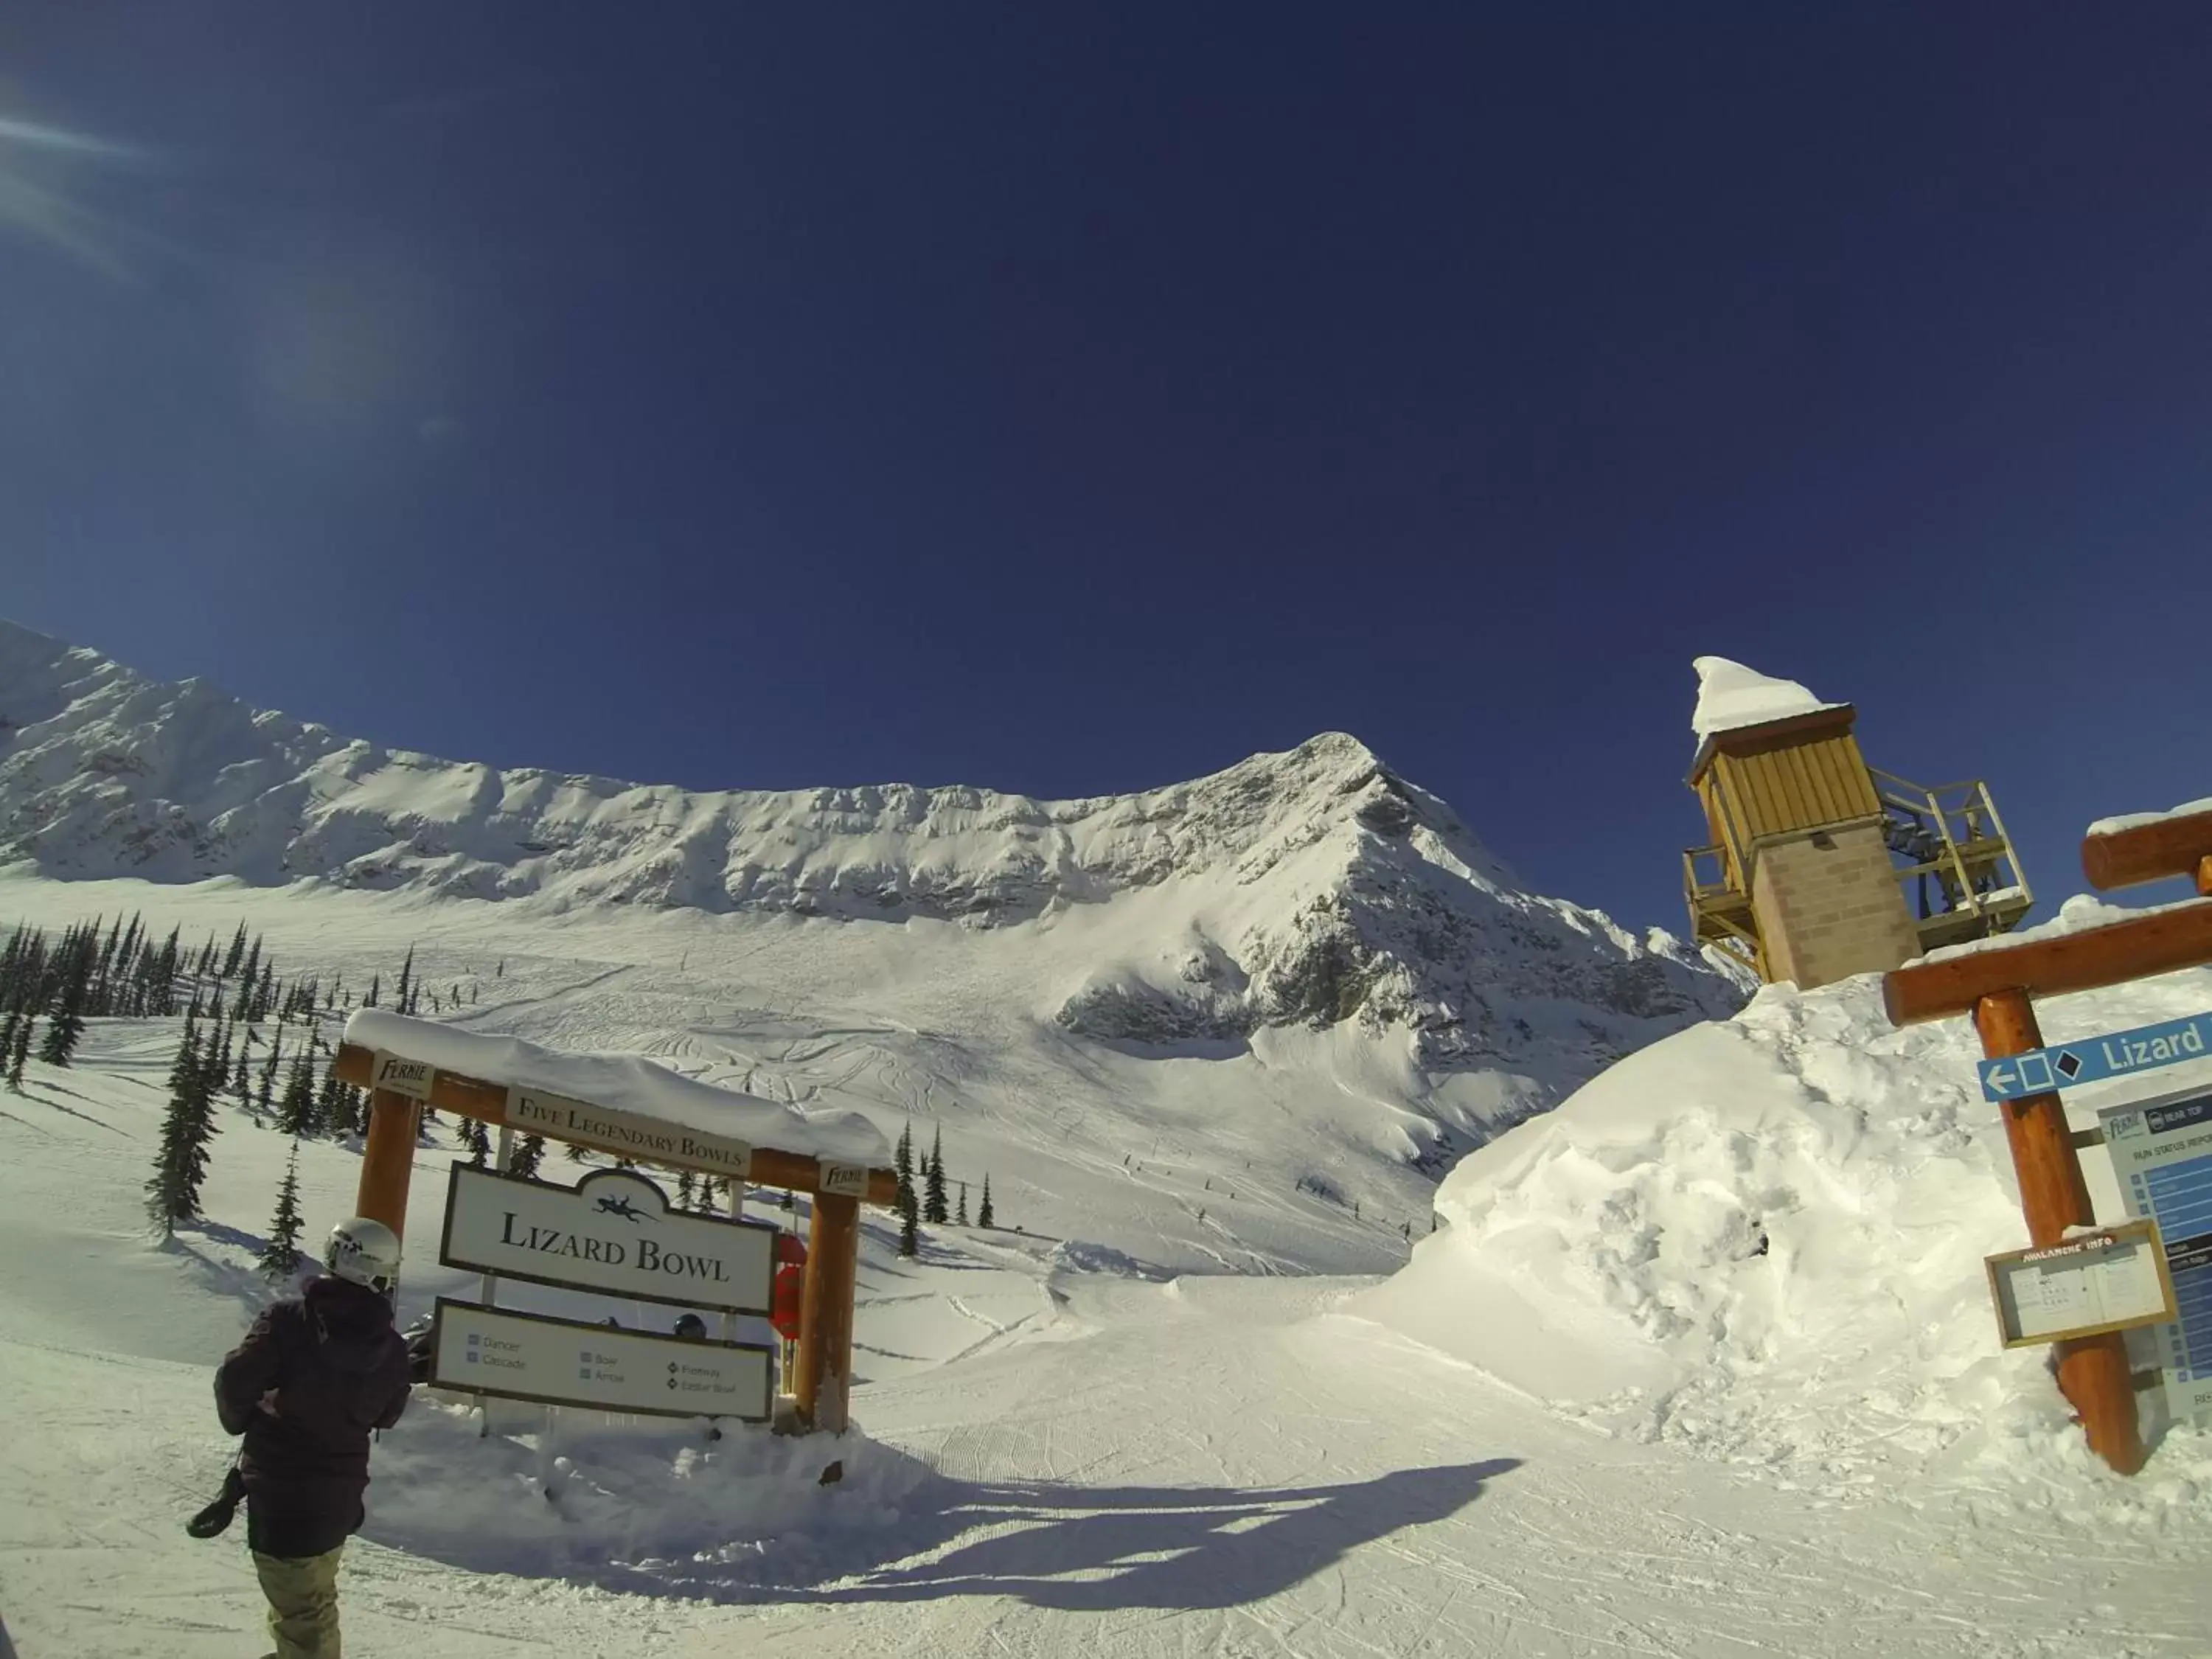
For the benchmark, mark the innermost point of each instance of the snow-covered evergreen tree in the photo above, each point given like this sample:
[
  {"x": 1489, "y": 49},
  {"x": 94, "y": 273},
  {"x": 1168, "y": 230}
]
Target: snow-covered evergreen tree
[
  {"x": 961, "y": 1214},
  {"x": 529, "y": 1152},
  {"x": 983, "y": 1216},
  {"x": 478, "y": 1140}
]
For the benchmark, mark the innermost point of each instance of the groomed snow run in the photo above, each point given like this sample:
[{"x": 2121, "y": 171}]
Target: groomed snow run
[
  {"x": 624, "y": 1082},
  {"x": 1592, "y": 1419},
  {"x": 1730, "y": 697}
]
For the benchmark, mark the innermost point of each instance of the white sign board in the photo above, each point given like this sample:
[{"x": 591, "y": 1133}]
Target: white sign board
[
  {"x": 2112, "y": 1280},
  {"x": 533, "y": 1111},
  {"x": 401, "y": 1075},
  {"x": 2162, "y": 1151},
  {"x": 613, "y": 1232},
  {"x": 566, "y": 1361}
]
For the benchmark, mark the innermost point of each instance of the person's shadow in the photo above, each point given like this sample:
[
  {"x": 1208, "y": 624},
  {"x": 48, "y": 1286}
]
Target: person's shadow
[{"x": 1092, "y": 1548}]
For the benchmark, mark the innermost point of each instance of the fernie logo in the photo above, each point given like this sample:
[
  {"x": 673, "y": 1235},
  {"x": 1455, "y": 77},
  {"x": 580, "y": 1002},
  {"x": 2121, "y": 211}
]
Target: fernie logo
[{"x": 401, "y": 1076}]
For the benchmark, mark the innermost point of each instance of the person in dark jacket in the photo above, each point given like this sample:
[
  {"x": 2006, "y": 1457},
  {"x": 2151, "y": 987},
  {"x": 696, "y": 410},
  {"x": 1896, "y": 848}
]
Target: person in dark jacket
[{"x": 314, "y": 1375}]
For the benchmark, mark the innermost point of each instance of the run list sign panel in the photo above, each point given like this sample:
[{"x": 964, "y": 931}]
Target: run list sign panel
[
  {"x": 566, "y": 1361},
  {"x": 2117, "y": 1053},
  {"x": 612, "y": 1232},
  {"x": 2162, "y": 1151}
]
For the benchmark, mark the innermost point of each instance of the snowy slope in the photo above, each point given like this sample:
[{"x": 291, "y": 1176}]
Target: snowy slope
[
  {"x": 1310, "y": 904},
  {"x": 1052, "y": 1460},
  {"x": 1763, "y": 1240}
]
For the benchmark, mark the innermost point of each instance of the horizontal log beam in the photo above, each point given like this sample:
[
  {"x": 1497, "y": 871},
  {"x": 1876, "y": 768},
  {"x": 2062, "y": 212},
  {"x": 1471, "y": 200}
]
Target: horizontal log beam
[
  {"x": 2156, "y": 943},
  {"x": 469, "y": 1097},
  {"x": 2150, "y": 851}
]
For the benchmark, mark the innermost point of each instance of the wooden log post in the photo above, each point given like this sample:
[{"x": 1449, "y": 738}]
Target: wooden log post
[
  {"x": 2093, "y": 1370},
  {"x": 821, "y": 1384},
  {"x": 388, "y": 1159}
]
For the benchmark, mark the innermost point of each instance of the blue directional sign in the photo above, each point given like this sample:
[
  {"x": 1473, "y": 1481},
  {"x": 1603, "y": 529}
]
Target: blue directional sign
[{"x": 2117, "y": 1055}]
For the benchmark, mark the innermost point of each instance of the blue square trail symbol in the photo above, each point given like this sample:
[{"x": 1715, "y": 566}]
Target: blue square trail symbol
[
  {"x": 474, "y": 1339},
  {"x": 472, "y": 1359}
]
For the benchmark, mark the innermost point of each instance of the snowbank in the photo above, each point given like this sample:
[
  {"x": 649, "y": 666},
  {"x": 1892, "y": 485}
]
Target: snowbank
[
  {"x": 1731, "y": 696},
  {"x": 624, "y": 1082},
  {"x": 620, "y": 1505},
  {"x": 2136, "y": 820},
  {"x": 1763, "y": 1239}
]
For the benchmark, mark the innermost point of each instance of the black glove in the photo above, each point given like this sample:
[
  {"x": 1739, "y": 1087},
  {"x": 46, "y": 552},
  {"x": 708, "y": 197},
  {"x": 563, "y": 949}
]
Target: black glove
[{"x": 210, "y": 1521}]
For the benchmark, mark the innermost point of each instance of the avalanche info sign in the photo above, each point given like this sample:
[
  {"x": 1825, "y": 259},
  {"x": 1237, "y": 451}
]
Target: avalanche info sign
[
  {"x": 569, "y": 1362},
  {"x": 2162, "y": 1153}
]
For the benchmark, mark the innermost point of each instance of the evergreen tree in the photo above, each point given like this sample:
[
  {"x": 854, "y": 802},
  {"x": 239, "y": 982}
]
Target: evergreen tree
[
  {"x": 903, "y": 1162},
  {"x": 478, "y": 1140},
  {"x": 237, "y": 953},
  {"x": 962, "y": 1214},
  {"x": 529, "y": 1152},
  {"x": 8, "y": 1023},
  {"x": 22, "y": 1054},
  {"x": 983, "y": 1216},
  {"x": 575, "y": 1153},
  {"x": 280, "y": 1256},
  {"x": 295, "y": 1112},
  {"x": 65, "y": 1025},
  {"x": 685, "y": 1196},
  {"x": 909, "y": 1222},
  {"x": 333, "y": 1112},
  {"x": 180, "y": 1164},
  {"x": 374, "y": 981},
  {"x": 275, "y": 1053},
  {"x": 404, "y": 1001},
  {"x": 240, "y": 1084},
  {"x": 933, "y": 1209}
]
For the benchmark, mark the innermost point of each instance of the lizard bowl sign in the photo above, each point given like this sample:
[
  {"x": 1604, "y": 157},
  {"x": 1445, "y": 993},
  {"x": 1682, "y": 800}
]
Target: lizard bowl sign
[{"x": 612, "y": 1232}]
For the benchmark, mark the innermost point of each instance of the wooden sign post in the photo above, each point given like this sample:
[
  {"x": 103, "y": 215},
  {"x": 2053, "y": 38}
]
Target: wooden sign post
[
  {"x": 821, "y": 1380},
  {"x": 1996, "y": 987}
]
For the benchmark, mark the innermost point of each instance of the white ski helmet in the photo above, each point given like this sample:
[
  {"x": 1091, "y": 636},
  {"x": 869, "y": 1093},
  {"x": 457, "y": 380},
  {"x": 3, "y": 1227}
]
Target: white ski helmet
[{"x": 364, "y": 1252}]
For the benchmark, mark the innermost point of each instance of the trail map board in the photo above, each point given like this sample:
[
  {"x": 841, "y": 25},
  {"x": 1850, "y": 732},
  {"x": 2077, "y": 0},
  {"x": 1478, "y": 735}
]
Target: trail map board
[{"x": 2162, "y": 1151}]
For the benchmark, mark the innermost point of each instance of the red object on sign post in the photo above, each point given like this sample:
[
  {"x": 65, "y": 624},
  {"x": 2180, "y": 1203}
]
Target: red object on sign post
[
  {"x": 790, "y": 1285},
  {"x": 790, "y": 1249}
]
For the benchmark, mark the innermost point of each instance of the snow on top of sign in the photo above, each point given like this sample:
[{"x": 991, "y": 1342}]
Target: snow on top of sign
[
  {"x": 2077, "y": 914},
  {"x": 1731, "y": 696},
  {"x": 2112, "y": 826},
  {"x": 624, "y": 1082}
]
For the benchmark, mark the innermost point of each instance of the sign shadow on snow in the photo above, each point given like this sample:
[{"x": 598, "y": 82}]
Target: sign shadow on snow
[{"x": 1095, "y": 1549}]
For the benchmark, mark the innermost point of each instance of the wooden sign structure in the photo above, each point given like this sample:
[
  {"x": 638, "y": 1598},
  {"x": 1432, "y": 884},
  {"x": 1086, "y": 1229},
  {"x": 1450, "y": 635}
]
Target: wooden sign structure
[
  {"x": 400, "y": 1087},
  {"x": 1996, "y": 987}
]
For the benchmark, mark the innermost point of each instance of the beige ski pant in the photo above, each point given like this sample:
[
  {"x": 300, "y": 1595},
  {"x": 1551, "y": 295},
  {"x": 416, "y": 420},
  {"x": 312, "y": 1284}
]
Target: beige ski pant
[{"x": 303, "y": 1603}]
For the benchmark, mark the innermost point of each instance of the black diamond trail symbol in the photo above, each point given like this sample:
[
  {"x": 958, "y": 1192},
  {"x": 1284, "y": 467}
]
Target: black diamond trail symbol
[{"x": 2068, "y": 1062}]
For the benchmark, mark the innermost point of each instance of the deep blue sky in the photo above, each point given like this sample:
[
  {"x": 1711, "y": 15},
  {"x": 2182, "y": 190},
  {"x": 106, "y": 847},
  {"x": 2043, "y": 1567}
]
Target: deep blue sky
[{"x": 1075, "y": 398}]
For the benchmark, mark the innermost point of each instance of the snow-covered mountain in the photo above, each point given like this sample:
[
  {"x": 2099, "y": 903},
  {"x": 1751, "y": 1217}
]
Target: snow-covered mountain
[{"x": 1311, "y": 888}]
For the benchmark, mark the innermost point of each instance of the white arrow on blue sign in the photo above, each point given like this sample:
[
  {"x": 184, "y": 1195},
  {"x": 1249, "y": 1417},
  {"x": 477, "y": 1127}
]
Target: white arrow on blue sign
[{"x": 2143, "y": 1049}]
